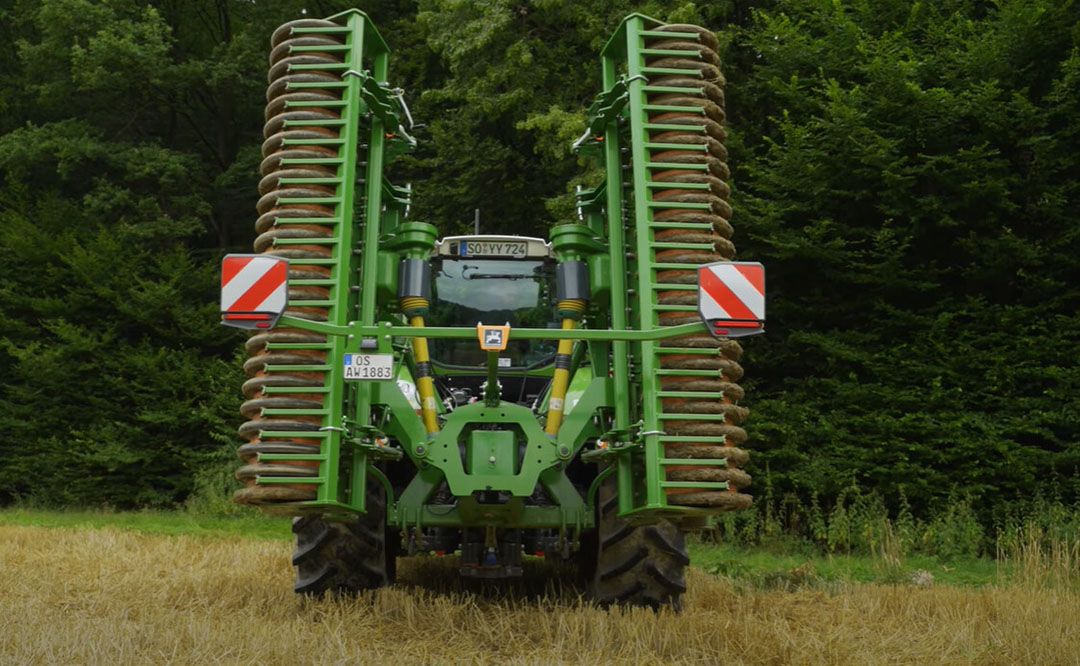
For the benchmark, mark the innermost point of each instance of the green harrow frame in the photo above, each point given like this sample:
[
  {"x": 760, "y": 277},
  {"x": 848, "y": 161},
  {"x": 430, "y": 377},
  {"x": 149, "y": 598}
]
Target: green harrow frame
[{"x": 350, "y": 274}]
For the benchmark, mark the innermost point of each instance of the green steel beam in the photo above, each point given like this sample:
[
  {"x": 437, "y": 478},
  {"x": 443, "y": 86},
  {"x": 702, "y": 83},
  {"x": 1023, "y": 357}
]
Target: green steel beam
[
  {"x": 645, "y": 309},
  {"x": 387, "y": 330}
]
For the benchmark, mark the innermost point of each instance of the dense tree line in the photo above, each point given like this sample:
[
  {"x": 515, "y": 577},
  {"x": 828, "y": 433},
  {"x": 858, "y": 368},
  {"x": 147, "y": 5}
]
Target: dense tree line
[{"x": 907, "y": 171}]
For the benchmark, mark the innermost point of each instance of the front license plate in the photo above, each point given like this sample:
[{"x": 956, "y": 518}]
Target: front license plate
[
  {"x": 368, "y": 367},
  {"x": 494, "y": 249}
]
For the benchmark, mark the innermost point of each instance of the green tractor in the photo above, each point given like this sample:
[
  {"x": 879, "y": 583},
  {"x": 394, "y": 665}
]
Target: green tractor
[{"x": 493, "y": 396}]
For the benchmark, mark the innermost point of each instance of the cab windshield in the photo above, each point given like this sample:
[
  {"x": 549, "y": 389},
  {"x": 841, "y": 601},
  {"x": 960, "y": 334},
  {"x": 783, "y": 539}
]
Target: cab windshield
[{"x": 493, "y": 291}]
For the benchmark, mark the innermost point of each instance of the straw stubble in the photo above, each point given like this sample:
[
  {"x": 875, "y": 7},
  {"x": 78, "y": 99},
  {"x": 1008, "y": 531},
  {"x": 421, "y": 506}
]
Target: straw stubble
[{"x": 113, "y": 597}]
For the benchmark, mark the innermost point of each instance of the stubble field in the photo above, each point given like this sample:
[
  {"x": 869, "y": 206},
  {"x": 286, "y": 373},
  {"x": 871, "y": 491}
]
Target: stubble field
[{"x": 106, "y": 596}]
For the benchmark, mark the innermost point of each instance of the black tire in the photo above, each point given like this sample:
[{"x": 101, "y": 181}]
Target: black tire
[
  {"x": 633, "y": 566},
  {"x": 346, "y": 557}
]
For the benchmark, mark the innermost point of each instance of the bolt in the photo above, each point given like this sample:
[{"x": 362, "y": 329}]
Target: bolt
[
  {"x": 564, "y": 451},
  {"x": 491, "y": 460},
  {"x": 419, "y": 450}
]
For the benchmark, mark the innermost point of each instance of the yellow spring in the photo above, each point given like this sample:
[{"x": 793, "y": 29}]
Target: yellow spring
[
  {"x": 572, "y": 305},
  {"x": 413, "y": 303}
]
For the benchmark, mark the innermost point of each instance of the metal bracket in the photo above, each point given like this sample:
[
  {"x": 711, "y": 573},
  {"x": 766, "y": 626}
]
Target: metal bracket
[
  {"x": 607, "y": 106},
  {"x": 614, "y": 443},
  {"x": 381, "y": 103},
  {"x": 399, "y": 94},
  {"x": 368, "y": 440},
  {"x": 377, "y": 451}
]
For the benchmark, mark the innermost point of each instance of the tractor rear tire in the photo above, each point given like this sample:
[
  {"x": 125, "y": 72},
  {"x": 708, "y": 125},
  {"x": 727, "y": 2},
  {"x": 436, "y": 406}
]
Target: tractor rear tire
[
  {"x": 346, "y": 557},
  {"x": 633, "y": 566}
]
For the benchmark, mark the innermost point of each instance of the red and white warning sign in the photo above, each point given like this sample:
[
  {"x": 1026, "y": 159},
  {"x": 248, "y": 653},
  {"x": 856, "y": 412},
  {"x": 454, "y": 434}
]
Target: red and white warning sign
[
  {"x": 731, "y": 298},
  {"x": 254, "y": 290}
]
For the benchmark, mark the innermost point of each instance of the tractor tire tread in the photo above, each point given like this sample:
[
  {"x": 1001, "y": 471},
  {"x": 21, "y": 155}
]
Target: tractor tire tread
[
  {"x": 633, "y": 565},
  {"x": 619, "y": 568},
  {"x": 667, "y": 545},
  {"x": 618, "y": 535},
  {"x": 345, "y": 557}
]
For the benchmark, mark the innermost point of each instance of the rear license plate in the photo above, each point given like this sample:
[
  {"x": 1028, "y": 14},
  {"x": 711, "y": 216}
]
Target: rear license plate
[
  {"x": 369, "y": 367},
  {"x": 517, "y": 250}
]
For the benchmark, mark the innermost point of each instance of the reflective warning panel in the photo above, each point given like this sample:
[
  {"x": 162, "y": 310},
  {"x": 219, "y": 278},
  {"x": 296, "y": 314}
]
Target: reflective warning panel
[
  {"x": 731, "y": 298},
  {"x": 254, "y": 290}
]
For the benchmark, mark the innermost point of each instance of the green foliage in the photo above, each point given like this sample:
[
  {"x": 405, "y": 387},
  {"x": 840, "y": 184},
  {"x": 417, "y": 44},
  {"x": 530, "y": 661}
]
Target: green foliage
[
  {"x": 114, "y": 395},
  {"x": 901, "y": 170},
  {"x": 861, "y": 525},
  {"x": 213, "y": 484},
  {"x": 757, "y": 568},
  {"x": 117, "y": 377},
  {"x": 505, "y": 101}
]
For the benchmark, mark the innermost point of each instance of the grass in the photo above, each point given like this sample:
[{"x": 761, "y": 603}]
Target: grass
[
  {"x": 92, "y": 595},
  {"x": 798, "y": 563},
  {"x": 762, "y": 567},
  {"x": 253, "y": 525}
]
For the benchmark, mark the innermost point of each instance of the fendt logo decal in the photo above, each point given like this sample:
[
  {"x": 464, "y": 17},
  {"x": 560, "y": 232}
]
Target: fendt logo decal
[
  {"x": 731, "y": 298},
  {"x": 254, "y": 290},
  {"x": 493, "y": 338}
]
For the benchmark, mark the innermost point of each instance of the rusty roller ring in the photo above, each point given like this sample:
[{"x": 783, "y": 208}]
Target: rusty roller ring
[
  {"x": 716, "y": 186},
  {"x": 297, "y": 100},
  {"x": 281, "y": 85},
  {"x": 706, "y": 36},
  {"x": 704, "y": 53},
  {"x": 284, "y": 31},
  {"x": 284, "y": 66},
  {"x": 284, "y": 49},
  {"x": 693, "y": 85},
  {"x": 278, "y": 123},
  {"x": 688, "y": 67}
]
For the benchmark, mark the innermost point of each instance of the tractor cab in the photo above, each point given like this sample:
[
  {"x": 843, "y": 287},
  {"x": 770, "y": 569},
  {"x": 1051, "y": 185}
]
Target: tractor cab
[{"x": 493, "y": 280}]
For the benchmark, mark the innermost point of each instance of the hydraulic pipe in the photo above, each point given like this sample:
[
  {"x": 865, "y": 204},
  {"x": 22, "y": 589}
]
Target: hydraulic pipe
[
  {"x": 561, "y": 379},
  {"x": 425, "y": 384},
  {"x": 414, "y": 290}
]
